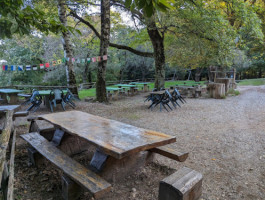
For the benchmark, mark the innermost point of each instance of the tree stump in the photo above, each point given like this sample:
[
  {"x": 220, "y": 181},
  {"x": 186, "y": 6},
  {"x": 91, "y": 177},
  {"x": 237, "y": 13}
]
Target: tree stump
[
  {"x": 216, "y": 90},
  {"x": 226, "y": 81}
]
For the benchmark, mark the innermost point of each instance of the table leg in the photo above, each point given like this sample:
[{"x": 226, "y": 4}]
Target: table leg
[
  {"x": 4, "y": 96},
  {"x": 98, "y": 161},
  {"x": 116, "y": 92},
  {"x": 13, "y": 98},
  {"x": 46, "y": 102},
  {"x": 145, "y": 88},
  {"x": 132, "y": 91}
]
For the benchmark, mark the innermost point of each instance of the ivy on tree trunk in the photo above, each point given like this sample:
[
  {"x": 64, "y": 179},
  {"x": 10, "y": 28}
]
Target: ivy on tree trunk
[
  {"x": 101, "y": 94},
  {"x": 71, "y": 81},
  {"x": 159, "y": 53}
]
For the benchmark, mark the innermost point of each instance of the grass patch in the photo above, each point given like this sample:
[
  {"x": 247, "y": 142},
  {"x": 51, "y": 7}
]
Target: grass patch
[
  {"x": 254, "y": 82},
  {"x": 92, "y": 92},
  {"x": 233, "y": 92}
]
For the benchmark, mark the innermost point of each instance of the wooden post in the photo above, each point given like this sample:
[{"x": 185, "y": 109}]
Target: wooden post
[{"x": 185, "y": 184}]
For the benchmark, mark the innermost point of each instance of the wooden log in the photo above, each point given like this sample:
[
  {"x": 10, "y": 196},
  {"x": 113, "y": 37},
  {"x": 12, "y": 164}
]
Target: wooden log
[
  {"x": 216, "y": 90},
  {"x": 10, "y": 192},
  {"x": 185, "y": 184},
  {"x": 4, "y": 140}
]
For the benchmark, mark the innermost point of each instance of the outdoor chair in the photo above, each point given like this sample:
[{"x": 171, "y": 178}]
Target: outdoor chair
[
  {"x": 171, "y": 99},
  {"x": 27, "y": 97},
  {"x": 69, "y": 98},
  {"x": 35, "y": 100},
  {"x": 56, "y": 97},
  {"x": 177, "y": 96}
]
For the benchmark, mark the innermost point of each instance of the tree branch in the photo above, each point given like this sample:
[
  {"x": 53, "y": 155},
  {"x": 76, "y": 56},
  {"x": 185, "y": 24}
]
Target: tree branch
[{"x": 118, "y": 46}]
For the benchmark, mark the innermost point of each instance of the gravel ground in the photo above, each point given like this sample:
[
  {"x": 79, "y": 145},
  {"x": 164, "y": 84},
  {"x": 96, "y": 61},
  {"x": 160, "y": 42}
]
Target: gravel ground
[{"x": 225, "y": 139}]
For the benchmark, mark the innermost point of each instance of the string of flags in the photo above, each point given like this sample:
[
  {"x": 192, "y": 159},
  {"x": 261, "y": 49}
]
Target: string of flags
[{"x": 50, "y": 64}]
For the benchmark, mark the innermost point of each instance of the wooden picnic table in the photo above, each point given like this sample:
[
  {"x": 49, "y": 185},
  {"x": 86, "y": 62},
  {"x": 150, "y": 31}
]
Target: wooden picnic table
[
  {"x": 114, "y": 138},
  {"x": 46, "y": 95},
  {"x": 11, "y": 93},
  {"x": 145, "y": 84},
  {"x": 121, "y": 148},
  {"x": 132, "y": 87},
  {"x": 115, "y": 91}
]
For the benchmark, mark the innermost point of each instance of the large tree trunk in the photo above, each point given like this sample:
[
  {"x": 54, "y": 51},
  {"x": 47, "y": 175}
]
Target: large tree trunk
[
  {"x": 159, "y": 53},
  {"x": 104, "y": 44},
  {"x": 198, "y": 74},
  {"x": 70, "y": 73}
]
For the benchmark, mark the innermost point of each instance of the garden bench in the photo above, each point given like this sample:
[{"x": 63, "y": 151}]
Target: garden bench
[
  {"x": 169, "y": 152},
  {"x": 78, "y": 173}
]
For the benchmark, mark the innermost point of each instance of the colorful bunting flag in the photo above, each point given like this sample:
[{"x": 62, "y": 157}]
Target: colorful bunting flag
[
  {"x": 28, "y": 67},
  {"x": 20, "y": 68},
  {"x": 13, "y": 68},
  {"x": 105, "y": 57},
  {"x": 58, "y": 62}
]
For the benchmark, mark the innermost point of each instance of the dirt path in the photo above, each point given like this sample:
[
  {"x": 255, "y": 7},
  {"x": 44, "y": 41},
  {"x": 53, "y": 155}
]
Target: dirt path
[{"x": 225, "y": 138}]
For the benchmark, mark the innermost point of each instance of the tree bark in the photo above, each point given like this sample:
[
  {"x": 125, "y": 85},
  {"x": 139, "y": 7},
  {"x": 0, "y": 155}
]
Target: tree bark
[
  {"x": 159, "y": 52},
  {"x": 101, "y": 94},
  {"x": 198, "y": 74},
  {"x": 71, "y": 81}
]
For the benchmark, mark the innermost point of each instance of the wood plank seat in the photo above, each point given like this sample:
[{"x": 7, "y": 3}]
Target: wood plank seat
[
  {"x": 24, "y": 95},
  {"x": 78, "y": 173},
  {"x": 169, "y": 152},
  {"x": 20, "y": 114}
]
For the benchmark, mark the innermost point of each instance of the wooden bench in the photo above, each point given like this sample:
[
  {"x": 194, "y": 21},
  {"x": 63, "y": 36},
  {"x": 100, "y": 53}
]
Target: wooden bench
[
  {"x": 78, "y": 173},
  {"x": 169, "y": 152}
]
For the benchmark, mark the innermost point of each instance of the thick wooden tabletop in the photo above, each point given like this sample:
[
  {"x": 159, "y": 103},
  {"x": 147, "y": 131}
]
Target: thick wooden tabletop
[
  {"x": 125, "y": 85},
  {"x": 112, "y": 137},
  {"x": 10, "y": 91},
  {"x": 9, "y": 108},
  {"x": 48, "y": 92}
]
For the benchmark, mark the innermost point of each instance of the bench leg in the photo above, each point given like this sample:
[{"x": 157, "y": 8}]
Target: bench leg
[
  {"x": 70, "y": 189},
  {"x": 35, "y": 158}
]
